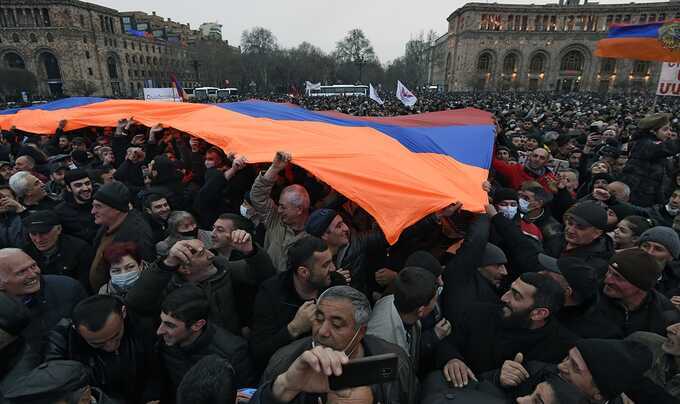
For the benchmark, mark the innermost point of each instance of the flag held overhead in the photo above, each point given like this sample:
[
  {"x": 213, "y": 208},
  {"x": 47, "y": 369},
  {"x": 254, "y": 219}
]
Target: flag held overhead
[{"x": 398, "y": 169}]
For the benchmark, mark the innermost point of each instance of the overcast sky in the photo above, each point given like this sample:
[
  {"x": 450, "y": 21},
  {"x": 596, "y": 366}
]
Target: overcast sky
[{"x": 388, "y": 24}]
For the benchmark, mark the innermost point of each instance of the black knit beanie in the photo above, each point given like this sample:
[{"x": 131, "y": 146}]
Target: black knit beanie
[
  {"x": 615, "y": 365},
  {"x": 115, "y": 195}
]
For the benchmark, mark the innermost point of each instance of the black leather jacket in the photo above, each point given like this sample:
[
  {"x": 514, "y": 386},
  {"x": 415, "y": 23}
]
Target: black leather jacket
[{"x": 130, "y": 373}]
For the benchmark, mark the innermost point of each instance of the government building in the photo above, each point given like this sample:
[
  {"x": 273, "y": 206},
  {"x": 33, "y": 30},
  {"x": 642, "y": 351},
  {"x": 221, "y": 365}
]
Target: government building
[
  {"x": 78, "y": 48},
  {"x": 491, "y": 46}
]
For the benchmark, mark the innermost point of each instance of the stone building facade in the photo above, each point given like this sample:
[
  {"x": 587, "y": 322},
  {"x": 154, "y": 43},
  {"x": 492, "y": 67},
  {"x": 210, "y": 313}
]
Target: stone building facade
[
  {"x": 79, "y": 48},
  {"x": 545, "y": 47}
]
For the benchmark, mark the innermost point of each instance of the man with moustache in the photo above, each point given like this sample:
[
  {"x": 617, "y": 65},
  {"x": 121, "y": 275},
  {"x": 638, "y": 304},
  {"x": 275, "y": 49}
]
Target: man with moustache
[
  {"x": 338, "y": 328},
  {"x": 75, "y": 209},
  {"x": 485, "y": 336}
]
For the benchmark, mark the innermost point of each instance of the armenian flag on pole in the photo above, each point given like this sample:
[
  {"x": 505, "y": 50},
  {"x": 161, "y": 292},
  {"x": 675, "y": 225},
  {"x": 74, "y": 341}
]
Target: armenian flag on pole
[
  {"x": 178, "y": 87},
  {"x": 654, "y": 41}
]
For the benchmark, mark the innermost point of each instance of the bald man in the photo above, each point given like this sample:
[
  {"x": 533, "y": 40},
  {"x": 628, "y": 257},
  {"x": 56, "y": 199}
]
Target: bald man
[
  {"x": 620, "y": 190},
  {"x": 49, "y": 298}
]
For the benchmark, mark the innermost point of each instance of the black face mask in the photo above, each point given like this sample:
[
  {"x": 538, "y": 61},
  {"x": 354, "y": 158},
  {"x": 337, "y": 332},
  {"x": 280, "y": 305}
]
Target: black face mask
[{"x": 189, "y": 234}]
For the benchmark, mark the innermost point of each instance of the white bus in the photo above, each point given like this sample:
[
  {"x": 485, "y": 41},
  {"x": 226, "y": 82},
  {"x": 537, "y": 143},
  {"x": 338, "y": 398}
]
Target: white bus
[
  {"x": 189, "y": 92},
  {"x": 339, "y": 89},
  {"x": 226, "y": 92},
  {"x": 205, "y": 93}
]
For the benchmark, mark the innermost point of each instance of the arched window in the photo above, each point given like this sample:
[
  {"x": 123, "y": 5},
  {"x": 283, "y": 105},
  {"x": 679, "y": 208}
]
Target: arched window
[
  {"x": 484, "y": 63},
  {"x": 573, "y": 60},
  {"x": 111, "y": 65},
  {"x": 51, "y": 66},
  {"x": 510, "y": 64},
  {"x": 537, "y": 64},
  {"x": 14, "y": 61}
]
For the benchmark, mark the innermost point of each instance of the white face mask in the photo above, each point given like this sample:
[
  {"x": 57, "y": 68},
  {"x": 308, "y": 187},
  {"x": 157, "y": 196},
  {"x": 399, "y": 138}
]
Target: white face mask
[
  {"x": 673, "y": 211},
  {"x": 245, "y": 212},
  {"x": 209, "y": 164},
  {"x": 523, "y": 205},
  {"x": 508, "y": 211},
  {"x": 349, "y": 344},
  {"x": 126, "y": 279}
]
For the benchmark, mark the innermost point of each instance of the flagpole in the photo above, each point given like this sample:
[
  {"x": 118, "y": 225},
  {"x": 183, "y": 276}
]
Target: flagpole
[{"x": 656, "y": 96}]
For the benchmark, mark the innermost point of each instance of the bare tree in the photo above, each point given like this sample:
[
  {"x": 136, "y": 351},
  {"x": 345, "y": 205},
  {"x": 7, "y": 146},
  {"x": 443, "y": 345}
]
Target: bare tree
[
  {"x": 258, "y": 46},
  {"x": 355, "y": 48}
]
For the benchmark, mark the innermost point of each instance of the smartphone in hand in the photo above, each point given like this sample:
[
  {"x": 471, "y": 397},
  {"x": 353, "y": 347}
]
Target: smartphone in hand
[{"x": 367, "y": 371}]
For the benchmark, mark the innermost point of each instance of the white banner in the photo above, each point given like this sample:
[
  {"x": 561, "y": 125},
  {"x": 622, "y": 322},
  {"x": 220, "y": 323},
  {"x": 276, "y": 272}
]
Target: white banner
[
  {"x": 374, "y": 94},
  {"x": 312, "y": 86},
  {"x": 405, "y": 95},
  {"x": 162, "y": 94},
  {"x": 669, "y": 81}
]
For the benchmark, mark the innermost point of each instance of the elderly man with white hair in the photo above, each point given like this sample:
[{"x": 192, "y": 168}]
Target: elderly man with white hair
[
  {"x": 30, "y": 191},
  {"x": 49, "y": 298}
]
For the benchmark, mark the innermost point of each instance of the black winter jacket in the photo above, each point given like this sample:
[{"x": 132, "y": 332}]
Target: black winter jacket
[
  {"x": 55, "y": 300},
  {"x": 276, "y": 304},
  {"x": 463, "y": 284},
  {"x": 158, "y": 281},
  {"x": 645, "y": 170},
  {"x": 217, "y": 195},
  {"x": 130, "y": 373},
  {"x": 77, "y": 220},
  {"x": 483, "y": 343},
  {"x": 72, "y": 257},
  {"x": 177, "y": 360},
  {"x": 609, "y": 319},
  {"x": 596, "y": 254}
]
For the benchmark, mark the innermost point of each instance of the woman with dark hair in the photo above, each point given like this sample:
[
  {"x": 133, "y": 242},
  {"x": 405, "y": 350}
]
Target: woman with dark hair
[{"x": 125, "y": 267}]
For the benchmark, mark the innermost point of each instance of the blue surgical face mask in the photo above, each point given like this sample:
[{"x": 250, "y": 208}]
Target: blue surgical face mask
[
  {"x": 523, "y": 205},
  {"x": 125, "y": 280},
  {"x": 508, "y": 211}
]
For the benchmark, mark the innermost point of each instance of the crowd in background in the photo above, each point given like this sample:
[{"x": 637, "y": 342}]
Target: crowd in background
[{"x": 140, "y": 264}]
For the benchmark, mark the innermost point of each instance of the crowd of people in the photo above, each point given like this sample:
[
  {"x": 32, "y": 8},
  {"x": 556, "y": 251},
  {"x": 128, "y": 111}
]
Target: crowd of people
[{"x": 142, "y": 265}]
